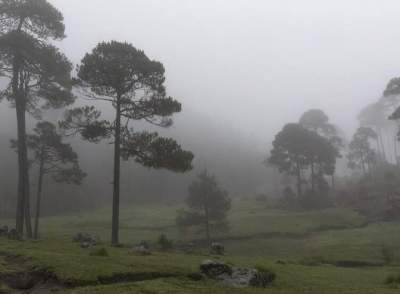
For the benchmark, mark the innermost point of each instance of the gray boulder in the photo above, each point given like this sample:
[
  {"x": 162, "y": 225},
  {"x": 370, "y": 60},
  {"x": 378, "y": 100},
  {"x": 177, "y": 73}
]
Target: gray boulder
[
  {"x": 4, "y": 231},
  {"x": 140, "y": 250},
  {"x": 217, "y": 248},
  {"x": 215, "y": 269},
  {"x": 86, "y": 240},
  {"x": 236, "y": 276}
]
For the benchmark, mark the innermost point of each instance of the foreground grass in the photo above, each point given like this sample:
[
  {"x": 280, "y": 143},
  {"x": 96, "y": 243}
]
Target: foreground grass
[
  {"x": 75, "y": 266},
  {"x": 258, "y": 236}
]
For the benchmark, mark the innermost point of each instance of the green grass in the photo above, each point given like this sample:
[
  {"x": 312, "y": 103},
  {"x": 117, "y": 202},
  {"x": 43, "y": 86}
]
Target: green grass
[{"x": 258, "y": 237}]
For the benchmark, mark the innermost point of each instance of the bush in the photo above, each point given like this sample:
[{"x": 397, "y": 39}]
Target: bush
[
  {"x": 164, "y": 242},
  {"x": 261, "y": 197},
  {"x": 388, "y": 255},
  {"x": 393, "y": 280},
  {"x": 100, "y": 252},
  {"x": 144, "y": 244},
  {"x": 263, "y": 278}
]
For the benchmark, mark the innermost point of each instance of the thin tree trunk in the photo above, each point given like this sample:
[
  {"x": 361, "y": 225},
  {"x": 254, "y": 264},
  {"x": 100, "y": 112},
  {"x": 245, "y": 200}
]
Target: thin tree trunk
[
  {"x": 363, "y": 164},
  {"x": 38, "y": 200},
  {"x": 21, "y": 135},
  {"x": 20, "y": 112},
  {"x": 116, "y": 183},
  {"x": 28, "y": 222},
  {"x": 312, "y": 177},
  {"x": 207, "y": 223},
  {"x": 27, "y": 209},
  {"x": 380, "y": 136},
  {"x": 333, "y": 181},
  {"x": 298, "y": 180}
]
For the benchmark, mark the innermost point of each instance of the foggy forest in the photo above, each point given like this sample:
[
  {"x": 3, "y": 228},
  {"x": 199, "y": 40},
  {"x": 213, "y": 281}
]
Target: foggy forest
[{"x": 199, "y": 146}]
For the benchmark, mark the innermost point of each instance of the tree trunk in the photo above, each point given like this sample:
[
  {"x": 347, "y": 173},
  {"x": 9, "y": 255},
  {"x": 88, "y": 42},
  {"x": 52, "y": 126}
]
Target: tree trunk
[
  {"x": 116, "y": 183},
  {"x": 312, "y": 177},
  {"x": 207, "y": 223},
  {"x": 380, "y": 137},
  {"x": 298, "y": 181},
  {"x": 21, "y": 201},
  {"x": 333, "y": 181},
  {"x": 38, "y": 200},
  {"x": 28, "y": 222},
  {"x": 363, "y": 164},
  {"x": 20, "y": 112}
]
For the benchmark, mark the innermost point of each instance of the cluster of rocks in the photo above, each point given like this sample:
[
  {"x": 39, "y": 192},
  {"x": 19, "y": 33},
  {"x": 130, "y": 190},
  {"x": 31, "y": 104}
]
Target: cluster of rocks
[
  {"x": 9, "y": 233},
  {"x": 86, "y": 240},
  {"x": 217, "y": 248},
  {"x": 142, "y": 248},
  {"x": 236, "y": 276}
]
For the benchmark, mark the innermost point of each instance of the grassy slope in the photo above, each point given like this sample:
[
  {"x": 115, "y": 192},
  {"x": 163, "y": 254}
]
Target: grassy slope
[{"x": 270, "y": 235}]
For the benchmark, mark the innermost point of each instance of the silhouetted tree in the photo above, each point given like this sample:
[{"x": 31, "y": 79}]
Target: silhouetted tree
[
  {"x": 133, "y": 84},
  {"x": 39, "y": 75},
  {"x": 289, "y": 200},
  {"x": 316, "y": 120},
  {"x": 53, "y": 157},
  {"x": 374, "y": 116},
  {"x": 296, "y": 148},
  {"x": 208, "y": 205},
  {"x": 361, "y": 155}
]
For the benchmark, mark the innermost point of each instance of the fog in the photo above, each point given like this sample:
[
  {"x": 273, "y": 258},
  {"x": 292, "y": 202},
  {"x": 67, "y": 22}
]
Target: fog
[
  {"x": 242, "y": 70},
  {"x": 253, "y": 64}
]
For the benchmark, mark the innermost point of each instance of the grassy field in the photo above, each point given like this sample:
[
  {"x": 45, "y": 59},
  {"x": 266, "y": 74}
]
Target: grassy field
[{"x": 333, "y": 251}]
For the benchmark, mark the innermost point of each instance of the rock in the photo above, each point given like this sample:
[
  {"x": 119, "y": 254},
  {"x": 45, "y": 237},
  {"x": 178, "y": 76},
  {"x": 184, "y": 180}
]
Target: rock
[
  {"x": 144, "y": 245},
  {"x": 85, "y": 245},
  {"x": 215, "y": 269},
  {"x": 140, "y": 250},
  {"x": 86, "y": 240},
  {"x": 217, "y": 248},
  {"x": 262, "y": 278},
  {"x": 236, "y": 276},
  {"x": 240, "y": 277},
  {"x": 13, "y": 235},
  {"x": 21, "y": 281},
  {"x": 4, "y": 231}
]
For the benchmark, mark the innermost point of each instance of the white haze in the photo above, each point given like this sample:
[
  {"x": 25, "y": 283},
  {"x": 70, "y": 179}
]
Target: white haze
[{"x": 254, "y": 64}]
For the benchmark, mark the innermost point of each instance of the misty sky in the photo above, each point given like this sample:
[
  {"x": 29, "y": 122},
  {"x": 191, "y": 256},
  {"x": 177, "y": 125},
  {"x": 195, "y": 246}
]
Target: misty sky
[{"x": 255, "y": 64}]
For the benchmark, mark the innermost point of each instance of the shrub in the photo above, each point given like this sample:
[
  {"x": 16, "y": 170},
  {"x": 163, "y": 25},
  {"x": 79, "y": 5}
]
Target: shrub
[
  {"x": 144, "y": 244},
  {"x": 261, "y": 197},
  {"x": 263, "y": 278},
  {"x": 164, "y": 242},
  {"x": 100, "y": 252},
  {"x": 393, "y": 280},
  {"x": 388, "y": 255}
]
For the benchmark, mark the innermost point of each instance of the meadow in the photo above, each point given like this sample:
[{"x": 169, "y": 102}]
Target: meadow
[{"x": 331, "y": 251}]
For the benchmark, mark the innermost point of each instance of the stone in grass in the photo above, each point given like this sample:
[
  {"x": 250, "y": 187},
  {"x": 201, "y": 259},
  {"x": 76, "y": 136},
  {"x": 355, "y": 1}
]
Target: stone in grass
[
  {"x": 85, "y": 245},
  {"x": 263, "y": 277},
  {"x": 235, "y": 276},
  {"x": 86, "y": 240},
  {"x": 13, "y": 235},
  {"x": 214, "y": 269},
  {"x": 217, "y": 248},
  {"x": 140, "y": 250},
  {"x": 4, "y": 231}
]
